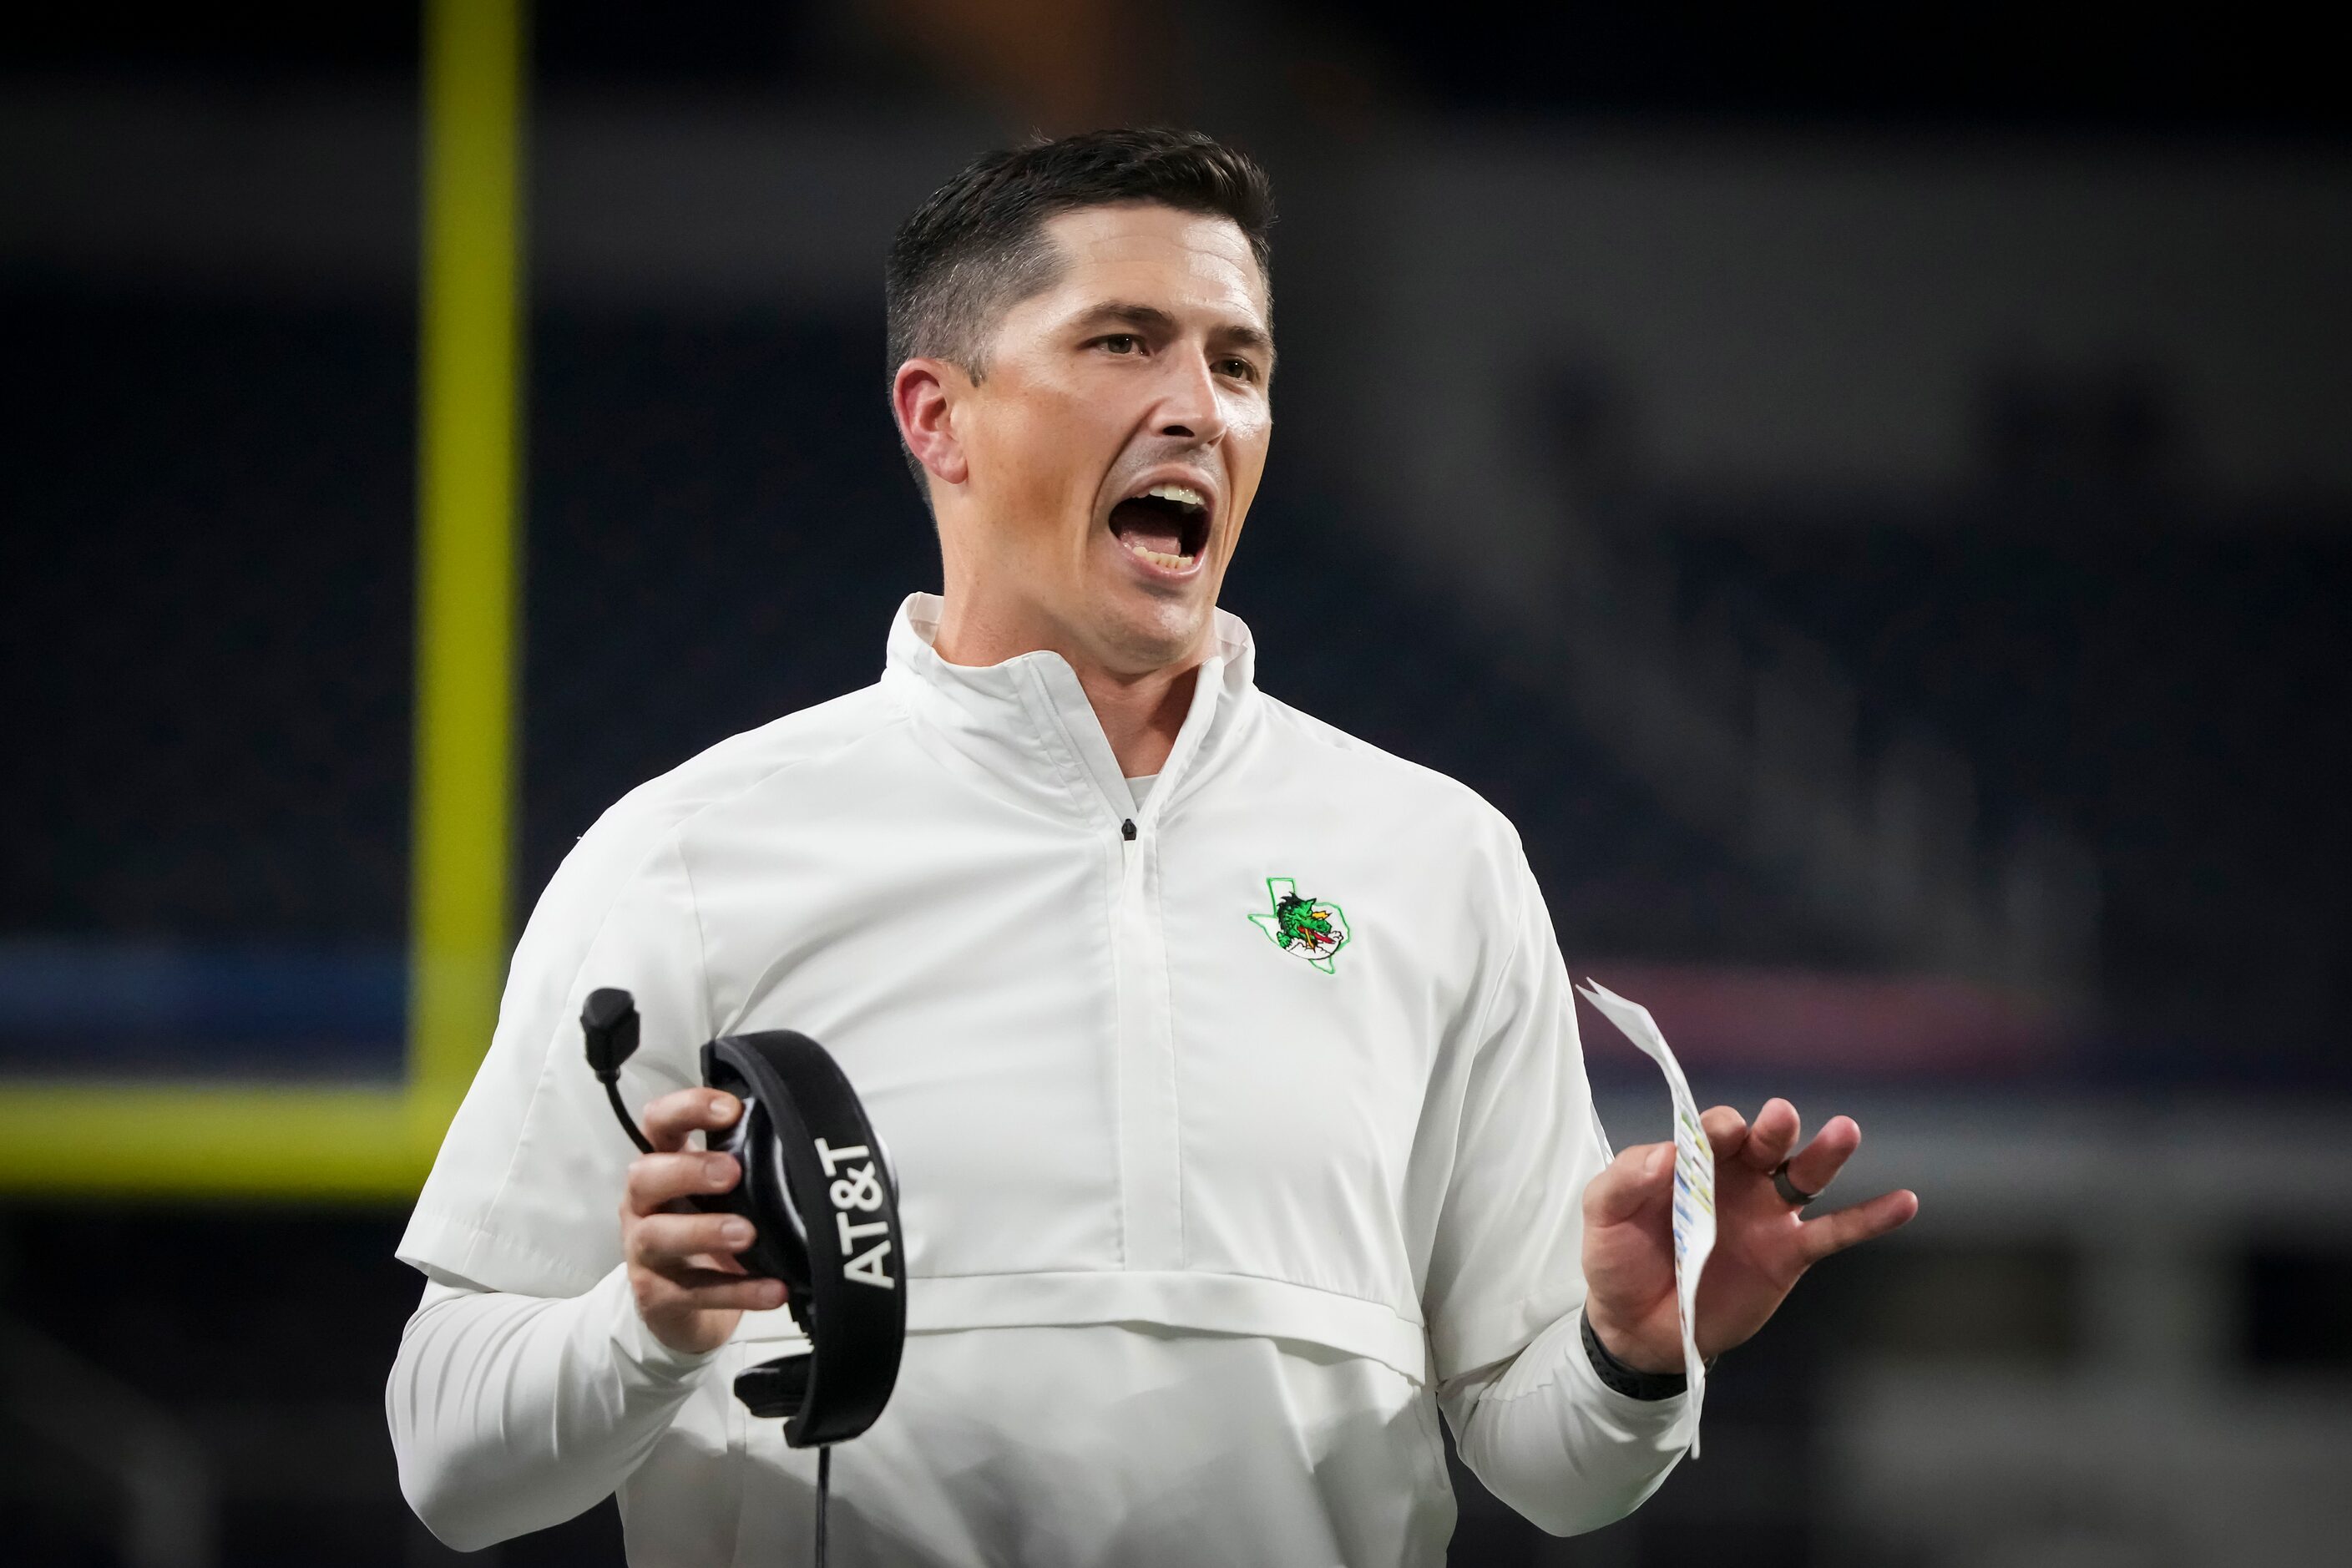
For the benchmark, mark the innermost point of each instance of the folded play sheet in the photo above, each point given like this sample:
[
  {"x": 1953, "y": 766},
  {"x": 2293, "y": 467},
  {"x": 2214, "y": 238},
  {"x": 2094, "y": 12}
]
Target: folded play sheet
[{"x": 1693, "y": 1221}]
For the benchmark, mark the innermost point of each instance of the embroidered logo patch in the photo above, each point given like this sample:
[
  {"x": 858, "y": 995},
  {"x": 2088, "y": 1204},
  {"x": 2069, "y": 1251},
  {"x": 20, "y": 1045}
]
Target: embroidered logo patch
[{"x": 1313, "y": 929}]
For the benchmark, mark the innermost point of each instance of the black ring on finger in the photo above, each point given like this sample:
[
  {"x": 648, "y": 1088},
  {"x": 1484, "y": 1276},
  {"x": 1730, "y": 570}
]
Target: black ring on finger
[{"x": 1791, "y": 1194}]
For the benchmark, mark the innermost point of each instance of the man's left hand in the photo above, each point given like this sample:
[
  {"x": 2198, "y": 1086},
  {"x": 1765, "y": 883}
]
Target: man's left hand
[{"x": 1762, "y": 1242}]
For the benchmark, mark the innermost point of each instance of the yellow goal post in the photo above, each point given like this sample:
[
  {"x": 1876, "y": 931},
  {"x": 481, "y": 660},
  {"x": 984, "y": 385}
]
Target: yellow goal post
[{"x": 66, "y": 1136}]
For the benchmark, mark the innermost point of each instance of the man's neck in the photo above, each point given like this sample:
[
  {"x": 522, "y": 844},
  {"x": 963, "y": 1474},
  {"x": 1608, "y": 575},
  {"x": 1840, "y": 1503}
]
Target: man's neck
[{"x": 1139, "y": 714}]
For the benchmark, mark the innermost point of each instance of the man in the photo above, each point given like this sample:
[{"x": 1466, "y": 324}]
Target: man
[{"x": 1228, "y": 1064}]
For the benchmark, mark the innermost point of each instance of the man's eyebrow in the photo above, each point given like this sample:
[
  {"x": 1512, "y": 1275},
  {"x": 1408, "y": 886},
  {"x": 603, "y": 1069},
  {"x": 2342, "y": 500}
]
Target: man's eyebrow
[
  {"x": 1248, "y": 337},
  {"x": 1152, "y": 319}
]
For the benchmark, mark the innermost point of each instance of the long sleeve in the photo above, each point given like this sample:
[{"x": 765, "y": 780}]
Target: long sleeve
[
  {"x": 1531, "y": 1415},
  {"x": 1548, "y": 1437},
  {"x": 509, "y": 1413}
]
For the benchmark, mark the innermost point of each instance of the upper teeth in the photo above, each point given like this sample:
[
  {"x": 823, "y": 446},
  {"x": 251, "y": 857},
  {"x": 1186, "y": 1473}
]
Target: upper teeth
[{"x": 1183, "y": 494}]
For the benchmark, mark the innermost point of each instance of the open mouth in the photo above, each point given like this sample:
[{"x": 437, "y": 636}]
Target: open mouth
[{"x": 1167, "y": 525}]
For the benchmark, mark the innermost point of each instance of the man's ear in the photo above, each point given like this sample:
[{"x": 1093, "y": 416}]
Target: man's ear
[{"x": 924, "y": 396}]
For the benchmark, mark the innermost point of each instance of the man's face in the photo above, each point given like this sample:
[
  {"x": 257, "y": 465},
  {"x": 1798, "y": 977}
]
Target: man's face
[{"x": 1114, "y": 444}]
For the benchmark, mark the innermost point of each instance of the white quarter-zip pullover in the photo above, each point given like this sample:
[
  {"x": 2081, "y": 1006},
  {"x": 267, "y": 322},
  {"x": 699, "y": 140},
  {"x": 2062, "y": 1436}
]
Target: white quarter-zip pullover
[{"x": 1230, "y": 1127}]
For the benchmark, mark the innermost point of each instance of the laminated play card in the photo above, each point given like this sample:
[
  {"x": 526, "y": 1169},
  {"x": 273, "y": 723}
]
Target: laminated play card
[{"x": 1694, "y": 1207}]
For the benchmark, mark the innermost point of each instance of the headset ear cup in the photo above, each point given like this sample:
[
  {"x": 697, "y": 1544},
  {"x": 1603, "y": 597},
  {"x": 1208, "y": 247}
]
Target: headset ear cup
[
  {"x": 812, "y": 1157},
  {"x": 779, "y": 1249}
]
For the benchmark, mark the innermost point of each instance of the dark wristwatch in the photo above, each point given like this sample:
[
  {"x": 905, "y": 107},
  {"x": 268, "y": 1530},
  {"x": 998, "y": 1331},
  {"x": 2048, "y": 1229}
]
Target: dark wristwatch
[{"x": 1631, "y": 1382}]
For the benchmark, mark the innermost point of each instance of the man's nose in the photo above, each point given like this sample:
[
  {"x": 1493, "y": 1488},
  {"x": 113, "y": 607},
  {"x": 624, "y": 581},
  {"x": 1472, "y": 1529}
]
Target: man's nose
[{"x": 1190, "y": 408}]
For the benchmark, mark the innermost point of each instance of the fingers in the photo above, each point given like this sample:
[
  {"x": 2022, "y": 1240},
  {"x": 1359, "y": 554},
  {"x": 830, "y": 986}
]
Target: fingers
[
  {"x": 669, "y": 1242},
  {"x": 1636, "y": 1178},
  {"x": 702, "y": 1290},
  {"x": 1816, "y": 1165},
  {"x": 684, "y": 1263},
  {"x": 670, "y": 1118},
  {"x": 1726, "y": 1131},
  {"x": 1772, "y": 1134},
  {"x": 657, "y": 1180},
  {"x": 1818, "y": 1238}
]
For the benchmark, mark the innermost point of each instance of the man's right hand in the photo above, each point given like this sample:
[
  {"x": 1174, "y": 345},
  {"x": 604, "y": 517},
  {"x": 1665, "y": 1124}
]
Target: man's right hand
[{"x": 690, "y": 1289}]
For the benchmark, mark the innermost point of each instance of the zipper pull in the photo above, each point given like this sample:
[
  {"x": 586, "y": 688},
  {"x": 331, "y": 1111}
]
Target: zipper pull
[{"x": 1127, "y": 830}]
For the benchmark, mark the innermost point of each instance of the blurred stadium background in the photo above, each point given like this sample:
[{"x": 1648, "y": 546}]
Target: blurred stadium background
[{"x": 1871, "y": 498}]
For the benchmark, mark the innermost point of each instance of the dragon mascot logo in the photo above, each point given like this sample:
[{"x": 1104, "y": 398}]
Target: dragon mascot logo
[{"x": 1312, "y": 929}]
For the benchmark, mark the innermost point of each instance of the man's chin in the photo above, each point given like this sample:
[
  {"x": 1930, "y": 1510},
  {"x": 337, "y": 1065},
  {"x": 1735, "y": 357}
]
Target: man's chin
[{"x": 1143, "y": 633}]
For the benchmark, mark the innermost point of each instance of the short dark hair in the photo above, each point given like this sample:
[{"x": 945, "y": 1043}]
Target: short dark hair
[{"x": 978, "y": 246}]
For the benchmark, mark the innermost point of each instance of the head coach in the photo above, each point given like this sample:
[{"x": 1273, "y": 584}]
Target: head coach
[{"x": 1228, "y": 1063}]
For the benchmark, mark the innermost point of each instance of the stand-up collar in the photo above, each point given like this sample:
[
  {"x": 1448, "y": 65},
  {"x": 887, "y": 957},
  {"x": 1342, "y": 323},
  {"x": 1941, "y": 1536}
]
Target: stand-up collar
[{"x": 1026, "y": 725}]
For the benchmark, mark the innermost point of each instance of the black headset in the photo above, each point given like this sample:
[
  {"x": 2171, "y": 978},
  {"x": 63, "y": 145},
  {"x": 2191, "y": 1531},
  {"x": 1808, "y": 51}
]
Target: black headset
[{"x": 819, "y": 1189}]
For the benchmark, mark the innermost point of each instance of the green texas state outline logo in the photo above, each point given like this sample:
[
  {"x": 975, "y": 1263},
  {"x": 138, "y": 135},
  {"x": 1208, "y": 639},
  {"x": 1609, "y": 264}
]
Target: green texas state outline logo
[{"x": 1313, "y": 929}]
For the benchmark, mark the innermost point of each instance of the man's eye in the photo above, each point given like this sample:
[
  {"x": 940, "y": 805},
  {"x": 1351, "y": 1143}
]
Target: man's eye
[
  {"x": 1239, "y": 369},
  {"x": 1122, "y": 342}
]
